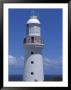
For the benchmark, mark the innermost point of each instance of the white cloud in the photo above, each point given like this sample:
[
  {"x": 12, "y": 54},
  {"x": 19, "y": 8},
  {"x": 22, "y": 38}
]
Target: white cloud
[
  {"x": 50, "y": 62},
  {"x": 12, "y": 60},
  {"x": 16, "y": 61},
  {"x": 53, "y": 66},
  {"x": 20, "y": 61},
  {"x": 16, "y": 64}
]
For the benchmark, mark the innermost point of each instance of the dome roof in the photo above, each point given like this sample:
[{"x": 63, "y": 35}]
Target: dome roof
[{"x": 33, "y": 19}]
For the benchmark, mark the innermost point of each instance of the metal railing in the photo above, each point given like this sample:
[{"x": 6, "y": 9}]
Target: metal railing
[{"x": 33, "y": 40}]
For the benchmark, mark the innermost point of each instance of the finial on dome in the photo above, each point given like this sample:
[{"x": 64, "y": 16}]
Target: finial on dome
[
  {"x": 33, "y": 14},
  {"x": 33, "y": 18}
]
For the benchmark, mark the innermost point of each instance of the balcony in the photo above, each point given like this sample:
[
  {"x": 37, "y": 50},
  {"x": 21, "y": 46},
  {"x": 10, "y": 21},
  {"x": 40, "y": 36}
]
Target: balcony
[{"x": 33, "y": 41}]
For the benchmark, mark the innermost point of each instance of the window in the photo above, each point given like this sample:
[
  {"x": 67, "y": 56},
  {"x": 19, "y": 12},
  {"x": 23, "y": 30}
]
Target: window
[
  {"x": 32, "y": 62},
  {"x": 32, "y": 73},
  {"x": 32, "y": 52},
  {"x": 35, "y": 80},
  {"x": 24, "y": 40},
  {"x": 34, "y": 30},
  {"x": 32, "y": 38}
]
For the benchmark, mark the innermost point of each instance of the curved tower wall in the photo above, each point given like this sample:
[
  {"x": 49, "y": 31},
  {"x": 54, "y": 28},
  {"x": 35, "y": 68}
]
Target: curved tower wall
[{"x": 36, "y": 68}]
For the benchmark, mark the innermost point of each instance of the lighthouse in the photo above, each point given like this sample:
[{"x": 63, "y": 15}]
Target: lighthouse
[{"x": 33, "y": 44}]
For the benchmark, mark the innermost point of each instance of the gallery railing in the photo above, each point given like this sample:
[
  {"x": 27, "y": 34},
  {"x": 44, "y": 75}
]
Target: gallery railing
[{"x": 35, "y": 40}]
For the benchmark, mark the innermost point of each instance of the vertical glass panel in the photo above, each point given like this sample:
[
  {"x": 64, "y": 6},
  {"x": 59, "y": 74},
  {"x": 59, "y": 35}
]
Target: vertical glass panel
[{"x": 34, "y": 30}]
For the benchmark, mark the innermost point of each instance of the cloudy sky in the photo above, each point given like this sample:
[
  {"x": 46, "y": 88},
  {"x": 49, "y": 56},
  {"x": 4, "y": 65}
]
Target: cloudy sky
[{"x": 51, "y": 30}]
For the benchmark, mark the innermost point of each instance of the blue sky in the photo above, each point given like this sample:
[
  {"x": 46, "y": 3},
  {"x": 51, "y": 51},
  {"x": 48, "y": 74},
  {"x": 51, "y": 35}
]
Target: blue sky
[{"x": 51, "y": 31}]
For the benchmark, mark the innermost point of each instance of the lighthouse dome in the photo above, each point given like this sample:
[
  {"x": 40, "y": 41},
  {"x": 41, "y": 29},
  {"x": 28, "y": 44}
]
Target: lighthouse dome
[{"x": 33, "y": 19}]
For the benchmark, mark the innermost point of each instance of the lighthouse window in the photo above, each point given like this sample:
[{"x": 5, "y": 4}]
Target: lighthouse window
[
  {"x": 32, "y": 52},
  {"x": 24, "y": 40},
  {"x": 32, "y": 62},
  {"x": 32, "y": 38},
  {"x": 32, "y": 73},
  {"x": 35, "y": 80}
]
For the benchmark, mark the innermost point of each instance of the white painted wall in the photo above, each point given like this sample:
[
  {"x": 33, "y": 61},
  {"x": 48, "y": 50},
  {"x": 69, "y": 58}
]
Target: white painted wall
[{"x": 37, "y": 68}]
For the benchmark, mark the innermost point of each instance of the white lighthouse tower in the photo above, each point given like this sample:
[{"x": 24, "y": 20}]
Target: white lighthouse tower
[{"x": 33, "y": 44}]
